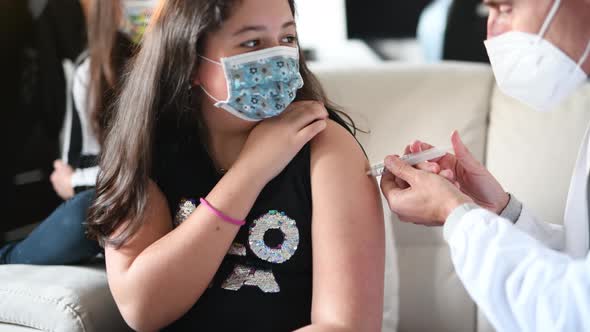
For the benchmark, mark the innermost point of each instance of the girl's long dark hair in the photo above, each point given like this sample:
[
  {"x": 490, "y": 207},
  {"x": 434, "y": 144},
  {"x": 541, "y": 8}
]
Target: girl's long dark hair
[
  {"x": 157, "y": 88},
  {"x": 108, "y": 51}
]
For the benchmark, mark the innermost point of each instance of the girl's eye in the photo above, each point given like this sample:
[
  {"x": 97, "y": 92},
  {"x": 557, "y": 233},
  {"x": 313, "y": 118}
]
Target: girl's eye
[
  {"x": 289, "y": 40},
  {"x": 250, "y": 43}
]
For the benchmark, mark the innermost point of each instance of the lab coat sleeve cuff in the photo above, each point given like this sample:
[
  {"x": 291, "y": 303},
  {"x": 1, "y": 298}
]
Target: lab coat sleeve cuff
[
  {"x": 513, "y": 210},
  {"x": 455, "y": 217}
]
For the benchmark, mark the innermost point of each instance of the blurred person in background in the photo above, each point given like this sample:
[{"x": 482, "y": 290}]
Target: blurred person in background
[{"x": 114, "y": 27}]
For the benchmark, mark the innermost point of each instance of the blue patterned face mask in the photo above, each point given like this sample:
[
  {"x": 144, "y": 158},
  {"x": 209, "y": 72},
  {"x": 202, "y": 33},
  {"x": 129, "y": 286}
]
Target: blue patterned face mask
[{"x": 260, "y": 84}]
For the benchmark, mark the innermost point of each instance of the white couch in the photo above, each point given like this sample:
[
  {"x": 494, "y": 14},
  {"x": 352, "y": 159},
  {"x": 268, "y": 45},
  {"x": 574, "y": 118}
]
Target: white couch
[{"x": 531, "y": 154}]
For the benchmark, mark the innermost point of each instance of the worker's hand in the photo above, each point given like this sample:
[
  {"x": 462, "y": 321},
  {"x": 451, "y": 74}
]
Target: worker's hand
[
  {"x": 469, "y": 174},
  {"x": 428, "y": 199}
]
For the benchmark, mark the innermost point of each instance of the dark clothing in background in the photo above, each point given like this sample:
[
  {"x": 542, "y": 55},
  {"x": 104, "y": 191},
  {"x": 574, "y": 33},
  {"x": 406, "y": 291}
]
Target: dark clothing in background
[{"x": 33, "y": 101}]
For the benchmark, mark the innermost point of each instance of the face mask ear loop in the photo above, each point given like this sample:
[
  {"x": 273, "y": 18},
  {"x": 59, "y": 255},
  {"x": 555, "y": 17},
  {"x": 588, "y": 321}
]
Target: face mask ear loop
[
  {"x": 203, "y": 88},
  {"x": 584, "y": 56},
  {"x": 549, "y": 19},
  {"x": 582, "y": 59},
  {"x": 212, "y": 61},
  {"x": 208, "y": 94}
]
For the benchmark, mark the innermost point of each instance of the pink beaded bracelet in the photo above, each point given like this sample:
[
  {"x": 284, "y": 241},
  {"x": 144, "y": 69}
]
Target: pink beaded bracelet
[{"x": 221, "y": 215}]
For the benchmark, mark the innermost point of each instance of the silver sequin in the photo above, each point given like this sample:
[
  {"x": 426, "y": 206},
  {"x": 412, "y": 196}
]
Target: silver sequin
[
  {"x": 274, "y": 220},
  {"x": 237, "y": 249},
  {"x": 185, "y": 209},
  {"x": 243, "y": 275}
]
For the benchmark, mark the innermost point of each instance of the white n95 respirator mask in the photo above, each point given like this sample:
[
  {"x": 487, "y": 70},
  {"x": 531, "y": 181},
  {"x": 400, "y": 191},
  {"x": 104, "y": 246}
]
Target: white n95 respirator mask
[{"x": 532, "y": 70}]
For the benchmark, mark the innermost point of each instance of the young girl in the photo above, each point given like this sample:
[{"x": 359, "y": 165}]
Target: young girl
[
  {"x": 60, "y": 238},
  {"x": 230, "y": 198}
]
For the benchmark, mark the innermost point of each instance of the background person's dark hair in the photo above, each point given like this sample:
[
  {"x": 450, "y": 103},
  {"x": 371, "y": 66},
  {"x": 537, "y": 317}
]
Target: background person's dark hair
[
  {"x": 465, "y": 32},
  {"x": 109, "y": 51},
  {"x": 157, "y": 94}
]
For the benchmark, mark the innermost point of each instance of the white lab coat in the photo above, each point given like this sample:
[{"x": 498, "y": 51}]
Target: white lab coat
[{"x": 532, "y": 277}]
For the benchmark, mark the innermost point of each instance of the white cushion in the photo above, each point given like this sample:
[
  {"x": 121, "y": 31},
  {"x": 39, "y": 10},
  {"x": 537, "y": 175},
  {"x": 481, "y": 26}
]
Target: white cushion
[
  {"x": 58, "y": 298},
  {"x": 15, "y": 328},
  {"x": 533, "y": 154}
]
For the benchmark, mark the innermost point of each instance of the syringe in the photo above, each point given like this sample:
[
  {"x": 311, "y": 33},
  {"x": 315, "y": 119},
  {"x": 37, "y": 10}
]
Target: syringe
[{"x": 412, "y": 159}]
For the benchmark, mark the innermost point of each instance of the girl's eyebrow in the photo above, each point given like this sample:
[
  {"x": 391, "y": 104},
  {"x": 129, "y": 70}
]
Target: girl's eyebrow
[{"x": 260, "y": 28}]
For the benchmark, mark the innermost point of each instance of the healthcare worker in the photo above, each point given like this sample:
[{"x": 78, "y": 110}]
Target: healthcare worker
[{"x": 526, "y": 275}]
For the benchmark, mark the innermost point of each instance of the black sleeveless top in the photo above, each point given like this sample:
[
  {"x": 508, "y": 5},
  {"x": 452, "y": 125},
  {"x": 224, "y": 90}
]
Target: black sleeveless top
[{"x": 265, "y": 281}]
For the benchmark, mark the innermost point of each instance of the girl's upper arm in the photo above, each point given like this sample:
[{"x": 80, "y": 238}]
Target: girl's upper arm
[
  {"x": 157, "y": 223},
  {"x": 347, "y": 234}
]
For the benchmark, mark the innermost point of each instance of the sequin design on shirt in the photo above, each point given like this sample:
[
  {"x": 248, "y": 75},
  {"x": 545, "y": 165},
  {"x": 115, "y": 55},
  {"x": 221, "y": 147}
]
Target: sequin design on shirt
[
  {"x": 185, "y": 208},
  {"x": 282, "y": 252},
  {"x": 249, "y": 276},
  {"x": 237, "y": 249},
  {"x": 246, "y": 275},
  {"x": 264, "y": 279}
]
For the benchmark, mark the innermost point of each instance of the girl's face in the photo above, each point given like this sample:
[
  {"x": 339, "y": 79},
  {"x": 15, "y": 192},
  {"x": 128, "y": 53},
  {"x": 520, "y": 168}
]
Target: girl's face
[{"x": 253, "y": 25}]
